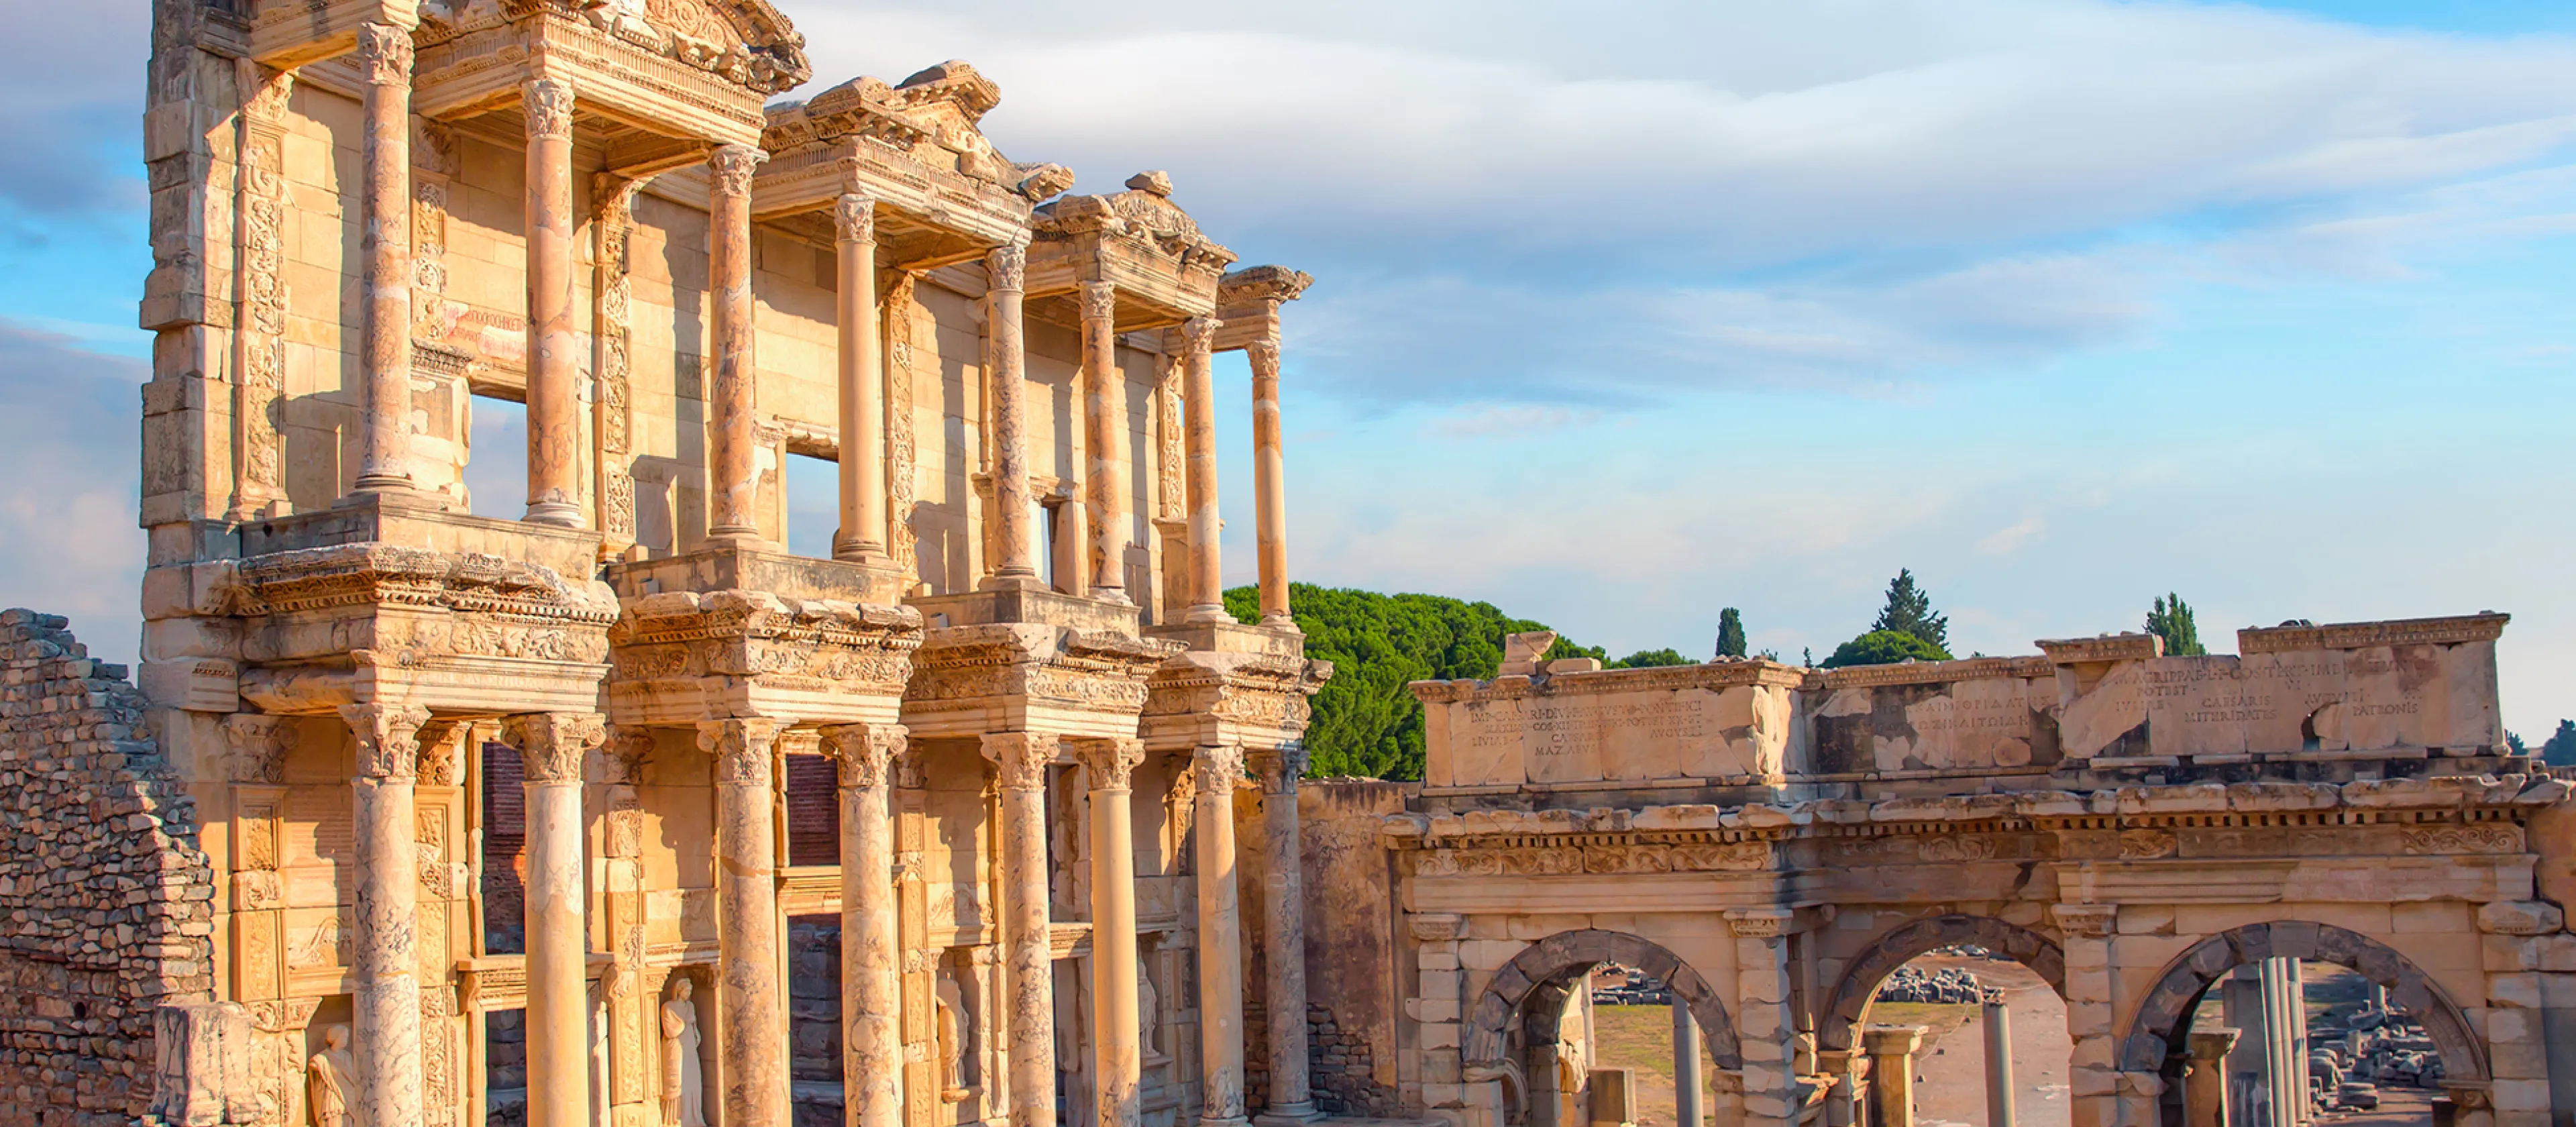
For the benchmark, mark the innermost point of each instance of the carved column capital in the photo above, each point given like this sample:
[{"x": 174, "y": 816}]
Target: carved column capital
[
  {"x": 388, "y": 737},
  {"x": 1264, "y": 355},
  {"x": 552, "y": 744},
  {"x": 1008, "y": 265},
  {"x": 1219, "y": 768},
  {"x": 259, "y": 747},
  {"x": 1100, "y": 303},
  {"x": 733, "y": 166},
  {"x": 384, "y": 54},
  {"x": 547, "y": 104},
  {"x": 854, "y": 217},
  {"x": 442, "y": 751},
  {"x": 1279, "y": 768},
  {"x": 1199, "y": 334},
  {"x": 866, "y": 752},
  {"x": 625, "y": 752},
  {"x": 1020, "y": 758},
  {"x": 2086, "y": 921},
  {"x": 741, "y": 746},
  {"x": 1110, "y": 760}
]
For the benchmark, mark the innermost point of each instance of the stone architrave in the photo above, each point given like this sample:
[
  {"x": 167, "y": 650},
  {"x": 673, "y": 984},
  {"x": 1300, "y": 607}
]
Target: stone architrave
[
  {"x": 871, "y": 954},
  {"x": 1020, "y": 761},
  {"x": 385, "y": 1003},
  {"x": 752, "y": 1001},
  {"x": 551, "y": 747},
  {"x": 1219, "y": 769}
]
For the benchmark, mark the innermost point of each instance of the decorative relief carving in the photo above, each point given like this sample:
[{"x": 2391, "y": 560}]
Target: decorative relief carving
[
  {"x": 1111, "y": 760},
  {"x": 325, "y": 945},
  {"x": 1758, "y": 923},
  {"x": 1008, "y": 267},
  {"x": 547, "y": 104},
  {"x": 1956, "y": 847},
  {"x": 2086, "y": 921},
  {"x": 384, "y": 55},
  {"x": 552, "y": 745},
  {"x": 2464, "y": 839},
  {"x": 1280, "y": 768},
  {"x": 901, "y": 314},
  {"x": 259, "y": 747},
  {"x": 865, "y": 752},
  {"x": 741, "y": 748},
  {"x": 442, "y": 751},
  {"x": 1020, "y": 758},
  {"x": 259, "y": 470},
  {"x": 854, "y": 218},
  {"x": 612, "y": 407},
  {"x": 732, "y": 167},
  {"x": 1219, "y": 768},
  {"x": 1171, "y": 467},
  {"x": 2147, "y": 844},
  {"x": 1099, "y": 303},
  {"x": 387, "y": 738},
  {"x": 1199, "y": 334}
]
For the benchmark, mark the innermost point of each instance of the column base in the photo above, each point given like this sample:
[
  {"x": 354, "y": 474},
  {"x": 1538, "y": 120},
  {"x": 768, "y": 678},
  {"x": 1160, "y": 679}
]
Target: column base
[
  {"x": 1206, "y": 614},
  {"x": 563, "y": 514},
  {"x": 1012, "y": 583},
  {"x": 1280, "y": 622},
  {"x": 1291, "y": 1115}
]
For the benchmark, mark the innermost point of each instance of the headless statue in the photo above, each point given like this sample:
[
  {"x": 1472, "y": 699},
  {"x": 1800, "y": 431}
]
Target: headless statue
[
  {"x": 683, "y": 1083},
  {"x": 328, "y": 1078}
]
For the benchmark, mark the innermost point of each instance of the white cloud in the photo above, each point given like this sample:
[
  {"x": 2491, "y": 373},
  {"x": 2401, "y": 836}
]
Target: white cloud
[
  {"x": 2006, "y": 541},
  {"x": 68, "y": 540}
]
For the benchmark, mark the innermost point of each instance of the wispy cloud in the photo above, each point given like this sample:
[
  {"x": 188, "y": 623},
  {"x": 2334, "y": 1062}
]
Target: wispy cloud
[{"x": 68, "y": 541}]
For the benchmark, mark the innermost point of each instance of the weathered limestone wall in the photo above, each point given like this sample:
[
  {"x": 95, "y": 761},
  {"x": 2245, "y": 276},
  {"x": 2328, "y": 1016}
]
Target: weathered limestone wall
[
  {"x": 1359, "y": 963},
  {"x": 107, "y": 892}
]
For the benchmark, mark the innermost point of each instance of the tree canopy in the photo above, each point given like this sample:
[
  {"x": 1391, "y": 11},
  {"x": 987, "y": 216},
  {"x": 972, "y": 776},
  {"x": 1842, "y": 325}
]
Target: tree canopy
[
  {"x": 2560, "y": 749},
  {"x": 1647, "y": 659},
  {"x": 1884, "y": 647},
  {"x": 2170, "y": 620},
  {"x": 1909, "y": 611},
  {"x": 1730, "y": 633}
]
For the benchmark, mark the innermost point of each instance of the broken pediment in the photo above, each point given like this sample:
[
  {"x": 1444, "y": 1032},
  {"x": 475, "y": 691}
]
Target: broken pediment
[
  {"x": 746, "y": 42},
  {"x": 932, "y": 118}
]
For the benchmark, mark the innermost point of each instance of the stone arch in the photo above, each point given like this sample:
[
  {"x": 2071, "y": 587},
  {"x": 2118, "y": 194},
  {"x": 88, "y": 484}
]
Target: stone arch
[
  {"x": 1886, "y": 953},
  {"x": 1568, "y": 952},
  {"x": 2168, "y": 1008}
]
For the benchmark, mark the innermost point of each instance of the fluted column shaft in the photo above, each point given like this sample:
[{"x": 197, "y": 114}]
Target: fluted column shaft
[
  {"x": 1283, "y": 955},
  {"x": 754, "y": 1026},
  {"x": 551, "y": 747},
  {"x": 734, "y": 493},
  {"x": 1104, "y": 402},
  {"x": 1028, "y": 941},
  {"x": 1269, "y": 483},
  {"x": 871, "y": 953},
  {"x": 1220, "y": 770},
  {"x": 386, "y": 956},
  {"x": 554, "y": 363},
  {"x": 384, "y": 250},
  {"x": 863, "y": 493},
  {"x": 1007, "y": 272},
  {"x": 1207, "y": 592},
  {"x": 1117, "y": 1026}
]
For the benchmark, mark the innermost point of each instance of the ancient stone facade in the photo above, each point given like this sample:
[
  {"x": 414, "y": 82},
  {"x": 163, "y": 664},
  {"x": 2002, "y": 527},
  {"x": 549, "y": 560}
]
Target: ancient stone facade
[{"x": 1773, "y": 842}]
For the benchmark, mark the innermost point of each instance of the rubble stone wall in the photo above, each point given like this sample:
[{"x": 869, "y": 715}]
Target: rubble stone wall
[{"x": 108, "y": 898}]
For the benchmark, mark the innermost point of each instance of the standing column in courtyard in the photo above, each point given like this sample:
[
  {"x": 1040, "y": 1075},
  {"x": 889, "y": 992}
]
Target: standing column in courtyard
[
  {"x": 551, "y": 747},
  {"x": 554, "y": 363},
  {"x": 1891, "y": 1069},
  {"x": 1269, "y": 484},
  {"x": 2204, "y": 1085},
  {"x": 385, "y": 955},
  {"x": 1220, "y": 771},
  {"x": 384, "y": 250},
  {"x": 735, "y": 487},
  {"x": 1207, "y": 593},
  {"x": 1999, "y": 1071},
  {"x": 1117, "y": 1055},
  {"x": 1283, "y": 955},
  {"x": 1007, "y": 271},
  {"x": 1687, "y": 1084},
  {"x": 1104, "y": 416},
  {"x": 753, "y": 1002},
  {"x": 1028, "y": 941},
  {"x": 871, "y": 958},
  {"x": 862, "y": 538}
]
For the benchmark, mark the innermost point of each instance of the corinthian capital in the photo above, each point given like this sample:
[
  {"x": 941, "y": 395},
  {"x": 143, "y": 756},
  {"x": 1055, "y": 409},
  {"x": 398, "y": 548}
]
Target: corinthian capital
[
  {"x": 384, "y": 54},
  {"x": 733, "y": 166},
  {"x": 866, "y": 752},
  {"x": 547, "y": 104},
  {"x": 854, "y": 217},
  {"x": 1099, "y": 303},
  {"x": 388, "y": 737},
  {"x": 1111, "y": 760},
  {"x": 551, "y": 744},
  {"x": 741, "y": 748},
  {"x": 1009, "y": 266},
  {"x": 1021, "y": 758},
  {"x": 259, "y": 744},
  {"x": 1264, "y": 355},
  {"x": 1219, "y": 768},
  {"x": 1279, "y": 768},
  {"x": 1200, "y": 334}
]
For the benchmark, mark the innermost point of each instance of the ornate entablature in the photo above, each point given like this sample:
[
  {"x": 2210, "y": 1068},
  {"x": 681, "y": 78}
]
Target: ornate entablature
[
  {"x": 1207, "y": 697},
  {"x": 1015, "y": 676},
  {"x": 1164, "y": 269},
  {"x": 682, "y": 656}
]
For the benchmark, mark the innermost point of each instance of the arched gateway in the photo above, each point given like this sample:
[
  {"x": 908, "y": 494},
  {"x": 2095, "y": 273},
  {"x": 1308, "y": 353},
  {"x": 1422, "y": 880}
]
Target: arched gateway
[
  {"x": 1861, "y": 977},
  {"x": 1568, "y": 954}
]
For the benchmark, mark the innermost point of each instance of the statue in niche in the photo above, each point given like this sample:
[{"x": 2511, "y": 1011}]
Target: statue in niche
[
  {"x": 328, "y": 1078},
  {"x": 1149, "y": 1011},
  {"x": 952, "y": 1040},
  {"x": 683, "y": 1084}
]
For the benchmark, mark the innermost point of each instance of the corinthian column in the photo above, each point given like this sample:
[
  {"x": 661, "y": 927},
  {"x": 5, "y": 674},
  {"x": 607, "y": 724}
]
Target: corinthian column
[
  {"x": 871, "y": 955},
  {"x": 735, "y": 490},
  {"x": 1028, "y": 942},
  {"x": 1220, "y": 770},
  {"x": 554, "y": 367},
  {"x": 1104, "y": 415},
  {"x": 1269, "y": 484},
  {"x": 1007, "y": 269},
  {"x": 1283, "y": 955},
  {"x": 384, "y": 249},
  {"x": 862, "y": 538},
  {"x": 1117, "y": 1054},
  {"x": 1207, "y": 593},
  {"x": 551, "y": 746},
  {"x": 386, "y": 998},
  {"x": 753, "y": 1029}
]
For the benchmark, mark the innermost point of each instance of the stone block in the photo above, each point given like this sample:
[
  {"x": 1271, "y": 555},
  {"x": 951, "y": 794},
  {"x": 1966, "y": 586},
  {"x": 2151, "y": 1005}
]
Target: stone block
[
  {"x": 2505, "y": 1026},
  {"x": 2520, "y": 991},
  {"x": 1444, "y": 1095},
  {"x": 1443, "y": 1035},
  {"x": 2082, "y": 1082},
  {"x": 2146, "y": 920},
  {"x": 1440, "y": 985},
  {"x": 1761, "y": 1021},
  {"x": 1487, "y": 954},
  {"x": 2428, "y": 916},
  {"x": 2518, "y": 1059},
  {"x": 1770, "y": 1052},
  {"x": 2091, "y": 1052},
  {"x": 1768, "y": 1077},
  {"x": 1432, "y": 1010},
  {"x": 1765, "y": 1107},
  {"x": 2520, "y": 917},
  {"x": 1436, "y": 961},
  {"x": 2557, "y": 953},
  {"x": 2507, "y": 953},
  {"x": 2088, "y": 1019},
  {"x": 2526, "y": 1095}
]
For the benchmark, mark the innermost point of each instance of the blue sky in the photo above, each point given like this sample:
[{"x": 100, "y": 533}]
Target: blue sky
[{"x": 1628, "y": 314}]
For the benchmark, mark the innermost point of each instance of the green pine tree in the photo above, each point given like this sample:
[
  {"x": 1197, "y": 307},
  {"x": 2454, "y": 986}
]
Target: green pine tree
[
  {"x": 1730, "y": 633},
  {"x": 2560, "y": 749},
  {"x": 2171, "y": 621},
  {"x": 1909, "y": 611}
]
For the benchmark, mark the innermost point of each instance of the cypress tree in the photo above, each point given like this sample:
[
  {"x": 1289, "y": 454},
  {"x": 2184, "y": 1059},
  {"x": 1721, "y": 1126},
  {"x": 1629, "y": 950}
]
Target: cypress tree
[
  {"x": 1909, "y": 611},
  {"x": 1730, "y": 633}
]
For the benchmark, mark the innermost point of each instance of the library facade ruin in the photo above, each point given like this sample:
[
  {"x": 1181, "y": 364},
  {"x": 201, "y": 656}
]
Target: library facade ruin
[{"x": 593, "y": 804}]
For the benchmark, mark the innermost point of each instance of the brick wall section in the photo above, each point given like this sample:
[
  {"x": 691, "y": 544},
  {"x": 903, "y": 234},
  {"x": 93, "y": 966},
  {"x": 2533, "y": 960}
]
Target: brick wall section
[
  {"x": 1343, "y": 1072},
  {"x": 108, "y": 900}
]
